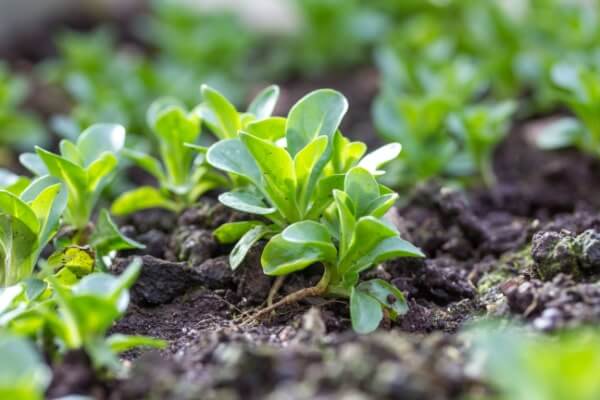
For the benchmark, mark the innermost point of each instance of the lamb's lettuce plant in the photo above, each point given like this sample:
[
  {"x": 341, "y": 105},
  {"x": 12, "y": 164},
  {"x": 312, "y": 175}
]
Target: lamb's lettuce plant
[
  {"x": 579, "y": 88},
  {"x": 85, "y": 168},
  {"x": 27, "y": 223},
  {"x": 288, "y": 170},
  {"x": 18, "y": 129},
  {"x": 479, "y": 129},
  {"x": 182, "y": 177},
  {"x": 77, "y": 316},
  {"x": 23, "y": 373},
  {"x": 351, "y": 238}
]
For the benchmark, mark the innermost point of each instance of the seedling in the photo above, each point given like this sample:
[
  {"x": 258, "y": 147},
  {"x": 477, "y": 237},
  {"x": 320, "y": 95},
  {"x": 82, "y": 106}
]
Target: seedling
[
  {"x": 79, "y": 316},
  {"x": 293, "y": 183},
  {"x": 579, "y": 88},
  {"x": 27, "y": 223},
  {"x": 350, "y": 239},
  {"x": 23, "y": 373},
  {"x": 85, "y": 168},
  {"x": 181, "y": 176},
  {"x": 17, "y": 128},
  {"x": 479, "y": 129}
]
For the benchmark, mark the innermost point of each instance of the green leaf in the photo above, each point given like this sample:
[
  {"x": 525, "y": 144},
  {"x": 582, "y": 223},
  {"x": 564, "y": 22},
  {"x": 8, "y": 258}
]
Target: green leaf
[
  {"x": 120, "y": 343},
  {"x": 146, "y": 162},
  {"x": 141, "y": 198},
  {"x": 233, "y": 157},
  {"x": 232, "y": 231},
  {"x": 369, "y": 232},
  {"x": 174, "y": 128},
  {"x": 17, "y": 245},
  {"x": 241, "y": 248},
  {"x": 219, "y": 114},
  {"x": 74, "y": 176},
  {"x": 14, "y": 207},
  {"x": 362, "y": 188},
  {"x": 346, "y": 220},
  {"x": 99, "y": 172},
  {"x": 98, "y": 139},
  {"x": 33, "y": 163},
  {"x": 107, "y": 237},
  {"x": 387, "y": 294},
  {"x": 23, "y": 373},
  {"x": 317, "y": 114},
  {"x": 264, "y": 103},
  {"x": 79, "y": 260},
  {"x": 278, "y": 175},
  {"x": 365, "y": 312},
  {"x": 49, "y": 206},
  {"x": 12, "y": 182},
  {"x": 246, "y": 202},
  {"x": 271, "y": 129},
  {"x": 565, "y": 132},
  {"x": 323, "y": 198},
  {"x": 378, "y": 207},
  {"x": 374, "y": 160},
  {"x": 70, "y": 151},
  {"x": 304, "y": 165},
  {"x": 298, "y": 246}
]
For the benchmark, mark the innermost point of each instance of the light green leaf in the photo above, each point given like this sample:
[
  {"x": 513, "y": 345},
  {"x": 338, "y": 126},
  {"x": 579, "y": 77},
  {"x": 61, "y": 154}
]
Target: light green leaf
[
  {"x": 271, "y": 129},
  {"x": 49, "y": 206},
  {"x": 33, "y": 163},
  {"x": 365, "y": 312},
  {"x": 99, "y": 172},
  {"x": 246, "y": 202},
  {"x": 70, "y": 151},
  {"x": 378, "y": 207},
  {"x": 79, "y": 260},
  {"x": 362, "y": 188},
  {"x": 264, "y": 103},
  {"x": 241, "y": 248},
  {"x": 304, "y": 165},
  {"x": 563, "y": 133},
  {"x": 233, "y": 157},
  {"x": 232, "y": 231},
  {"x": 107, "y": 237},
  {"x": 374, "y": 160},
  {"x": 98, "y": 139},
  {"x": 141, "y": 198},
  {"x": 120, "y": 343},
  {"x": 278, "y": 175},
  {"x": 317, "y": 114},
  {"x": 17, "y": 245},
  {"x": 146, "y": 162},
  {"x": 298, "y": 246},
  {"x": 346, "y": 220},
  {"x": 14, "y": 207},
  {"x": 219, "y": 114},
  {"x": 387, "y": 294},
  {"x": 23, "y": 373}
]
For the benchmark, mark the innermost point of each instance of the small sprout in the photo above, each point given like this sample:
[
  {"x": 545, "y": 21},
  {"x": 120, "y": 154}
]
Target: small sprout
[
  {"x": 288, "y": 175},
  {"x": 480, "y": 128},
  {"x": 27, "y": 223},
  {"x": 350, "y": 239}
]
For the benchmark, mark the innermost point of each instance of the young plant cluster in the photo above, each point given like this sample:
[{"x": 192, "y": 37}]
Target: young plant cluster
[{"x": 63, "y": 301}]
